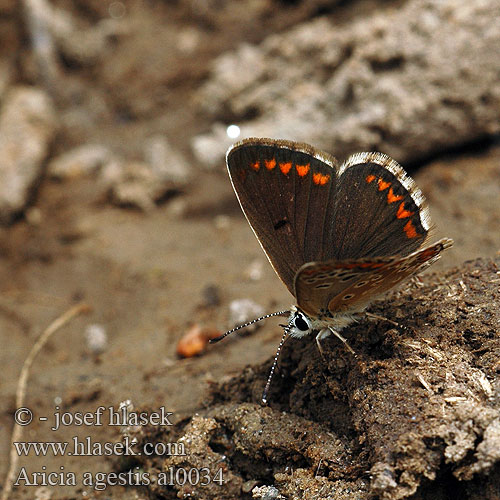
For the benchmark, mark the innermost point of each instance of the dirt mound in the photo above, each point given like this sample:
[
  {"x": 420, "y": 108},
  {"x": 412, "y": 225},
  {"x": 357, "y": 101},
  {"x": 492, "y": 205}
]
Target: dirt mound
[{"x": 413, "y": 414}]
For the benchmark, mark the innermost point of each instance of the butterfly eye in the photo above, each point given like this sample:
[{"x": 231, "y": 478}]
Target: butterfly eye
[{"x": 301, "y": 323}]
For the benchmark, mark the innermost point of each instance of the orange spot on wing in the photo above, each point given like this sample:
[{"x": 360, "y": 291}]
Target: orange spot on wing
[
  {"x": 427, "y": 254},
  {"x": 410, "y": 230},
  {"x": 302, "y": 169},
  {"x": 370, "y": 178},
  {"x": 255, "y": 165},
  {"x": 285, "y": 167},
  {"x": 383, "y": 185},
  {"x": 308, "y": 272},
  {"x": 391, "y": 197},
  {"x": 363, "y": 265},
  {"x": 320, "y": 179},
  {"x": 270, "y": 164},
  {"x": 372, "y": 265},
  {"x": 402, "y": 212}
]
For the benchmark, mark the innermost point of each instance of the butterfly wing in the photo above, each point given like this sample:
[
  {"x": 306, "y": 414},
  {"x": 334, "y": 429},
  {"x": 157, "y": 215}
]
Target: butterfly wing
[
  {"x": 379, "y": 210},
  {"x": 335, "y": 287},
  {"x": 317, "y": 283},
  {"x": 287, "y": 193},
  {"x": 304, "y": 208}
]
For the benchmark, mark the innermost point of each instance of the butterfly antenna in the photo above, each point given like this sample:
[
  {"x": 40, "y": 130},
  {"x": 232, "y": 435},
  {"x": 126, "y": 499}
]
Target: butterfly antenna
[
  {"x": 278, "y": 313},
  {"x": 275, "y": 363}
]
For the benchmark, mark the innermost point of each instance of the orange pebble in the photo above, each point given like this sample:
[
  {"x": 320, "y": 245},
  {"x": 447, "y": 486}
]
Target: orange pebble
[{"x": 195, "y": 340}]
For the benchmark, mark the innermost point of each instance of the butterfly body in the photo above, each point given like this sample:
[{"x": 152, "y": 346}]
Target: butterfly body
[{"x": 300, "y": 324}]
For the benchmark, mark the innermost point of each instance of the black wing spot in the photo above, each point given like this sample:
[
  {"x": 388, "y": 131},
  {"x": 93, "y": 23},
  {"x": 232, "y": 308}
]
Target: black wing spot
[
  {"x": 348, "y": 277},
  {"x": 360, "y": 284},
  {"x": 280, "y": 224}
]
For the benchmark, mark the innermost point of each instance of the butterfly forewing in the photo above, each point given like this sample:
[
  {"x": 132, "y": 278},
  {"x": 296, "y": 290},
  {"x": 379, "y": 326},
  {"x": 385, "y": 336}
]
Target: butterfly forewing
[
  {"x": 287, "y": 192},
  {"x": 379, "y": 210}
]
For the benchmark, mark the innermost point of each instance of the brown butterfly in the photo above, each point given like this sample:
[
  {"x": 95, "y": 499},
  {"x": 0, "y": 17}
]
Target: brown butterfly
[{"x": 337, "y": 235}]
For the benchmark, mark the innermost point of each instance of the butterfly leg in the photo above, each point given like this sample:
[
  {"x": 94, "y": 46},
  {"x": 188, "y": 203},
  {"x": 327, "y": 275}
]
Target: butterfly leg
[
  {"x": 321, "y": 335},
  {"x": 381, "y": 318},
  {"x": 325, "y": 332},
  {"x": 337, "y": 334}
]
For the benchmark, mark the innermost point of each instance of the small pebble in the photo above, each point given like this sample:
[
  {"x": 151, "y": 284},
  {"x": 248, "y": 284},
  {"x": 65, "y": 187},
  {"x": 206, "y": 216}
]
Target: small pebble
[
  {"x": 97, "y": 338},
  {"x": 254, "y": 270},
  {"x": 188, "y": 40},
  {"x": 267, "y": 493},
  {"x": 177, "y": 208},
  {"x": 222, "y": 222},
  {"x": 195, "y": 341},
  {"x": 43, "y": 493},
  {"x": 168, "y": 165},
  {"x": 243, "y": 310},
  {"x": 249, "y": 485},
  {"x": 81, "y": 161}
]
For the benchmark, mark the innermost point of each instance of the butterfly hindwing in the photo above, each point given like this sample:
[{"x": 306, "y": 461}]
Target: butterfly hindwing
[
  {"x": 335, "y": 287},
  {"x": 317, "y": 283},
  {"x": 359, "y": 294}
]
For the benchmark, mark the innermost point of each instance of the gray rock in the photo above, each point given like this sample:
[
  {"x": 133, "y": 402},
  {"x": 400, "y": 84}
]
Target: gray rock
[
  {"x": 130, "y": 184},
  {"x": 80, "y": 161},
  {"x": 408, "y": 82},
  {"x": 27, "y": 127},
  {"x": 53, "y": 29},
  {"x": 267, "y": 493},
  {"x": 142, "y": 183},
  {"x": 168, "y": 164}
]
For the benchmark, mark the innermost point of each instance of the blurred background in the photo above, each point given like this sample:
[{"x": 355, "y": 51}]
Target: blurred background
[{"x": 114, "y": 120}]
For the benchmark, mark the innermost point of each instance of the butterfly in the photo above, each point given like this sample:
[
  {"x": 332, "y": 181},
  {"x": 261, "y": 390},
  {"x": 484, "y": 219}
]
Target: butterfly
[{"x": 337, "y": 235}]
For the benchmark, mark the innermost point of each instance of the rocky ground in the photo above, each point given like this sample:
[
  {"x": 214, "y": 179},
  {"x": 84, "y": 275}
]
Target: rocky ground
[{"x": 113, "y": 192}]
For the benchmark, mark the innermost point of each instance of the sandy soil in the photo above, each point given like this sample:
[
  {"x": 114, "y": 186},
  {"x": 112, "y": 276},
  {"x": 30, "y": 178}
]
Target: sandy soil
[{"x": 145, "y": 275}]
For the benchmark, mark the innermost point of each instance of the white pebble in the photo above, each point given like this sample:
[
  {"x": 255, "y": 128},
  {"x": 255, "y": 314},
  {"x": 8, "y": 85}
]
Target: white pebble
[
  {"x": 243, "y": 310},
  {"x": 97, "y": 338}
]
